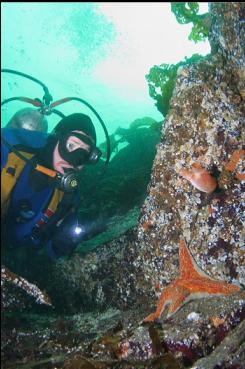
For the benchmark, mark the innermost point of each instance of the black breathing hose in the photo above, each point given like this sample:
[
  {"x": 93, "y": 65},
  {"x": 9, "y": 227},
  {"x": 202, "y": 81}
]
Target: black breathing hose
[{"x": 47, "y": 97}]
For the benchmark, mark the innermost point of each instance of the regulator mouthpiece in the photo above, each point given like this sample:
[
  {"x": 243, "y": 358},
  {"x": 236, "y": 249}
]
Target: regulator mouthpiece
[{"x": 69, "y": 181}]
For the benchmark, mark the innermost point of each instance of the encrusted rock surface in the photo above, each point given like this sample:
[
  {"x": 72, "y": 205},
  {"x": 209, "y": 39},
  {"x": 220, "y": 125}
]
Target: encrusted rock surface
[
  {"x": 228, "y": 37},
  {"x": 205, "y": 125}
]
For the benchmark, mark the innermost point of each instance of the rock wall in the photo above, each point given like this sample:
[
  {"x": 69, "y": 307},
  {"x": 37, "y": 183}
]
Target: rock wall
[{"x": 205, "y": 125}]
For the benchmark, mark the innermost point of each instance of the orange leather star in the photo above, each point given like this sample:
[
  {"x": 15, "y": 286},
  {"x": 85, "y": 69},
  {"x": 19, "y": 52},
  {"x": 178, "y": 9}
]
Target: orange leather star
[{"x": 192, "y": 283}]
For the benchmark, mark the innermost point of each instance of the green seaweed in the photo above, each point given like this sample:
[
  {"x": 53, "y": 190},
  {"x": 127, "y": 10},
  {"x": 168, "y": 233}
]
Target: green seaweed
[
  {"x": 124, "y": 185},
  {"x": 188, "y": 13},
  {"x": 161, "y": 81}
]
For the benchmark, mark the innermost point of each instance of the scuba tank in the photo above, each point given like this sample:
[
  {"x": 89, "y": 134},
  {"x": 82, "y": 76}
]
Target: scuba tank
[{"x": 29, "y": 118}]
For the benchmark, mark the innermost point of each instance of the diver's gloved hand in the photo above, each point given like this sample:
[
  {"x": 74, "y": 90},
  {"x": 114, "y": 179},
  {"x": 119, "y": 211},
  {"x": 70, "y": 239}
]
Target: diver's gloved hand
[
  {"x": 75, "y": 229},
  {"x": 58, "y": 248},
  {"x": 40, "y": 234}
]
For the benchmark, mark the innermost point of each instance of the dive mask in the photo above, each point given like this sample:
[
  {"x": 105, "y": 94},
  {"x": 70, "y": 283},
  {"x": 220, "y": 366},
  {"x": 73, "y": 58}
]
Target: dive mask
[{"x": 79, "y": 156}]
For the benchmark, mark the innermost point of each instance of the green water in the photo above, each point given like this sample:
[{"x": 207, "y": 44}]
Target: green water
[{"x": 99, "y": 52}]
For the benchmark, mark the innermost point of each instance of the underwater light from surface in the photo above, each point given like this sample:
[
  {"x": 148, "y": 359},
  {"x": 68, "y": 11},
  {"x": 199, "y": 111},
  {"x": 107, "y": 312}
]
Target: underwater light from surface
[
  {"x": 147, "y": 34},
  {"x": 98, "y": 51}
]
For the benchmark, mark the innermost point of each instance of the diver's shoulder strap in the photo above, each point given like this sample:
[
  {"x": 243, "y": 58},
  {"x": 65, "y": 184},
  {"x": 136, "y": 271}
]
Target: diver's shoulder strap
[
  {"x": 9, "y": 176},
  {"x": 56, "y": 200}
]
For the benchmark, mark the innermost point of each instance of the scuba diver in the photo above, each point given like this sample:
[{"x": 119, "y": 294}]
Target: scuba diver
[{"x": 40, "y": 172}]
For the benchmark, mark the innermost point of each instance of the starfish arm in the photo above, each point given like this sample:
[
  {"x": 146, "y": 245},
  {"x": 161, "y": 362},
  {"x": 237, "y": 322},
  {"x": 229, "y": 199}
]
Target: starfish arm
[
  {"x": 188, "y": 267},
  {"x": 180, "y": 298},
  {"x": 211, "y": 287},
  {"x": 196, "y": 280},
  {"x": 173, "y": 295}
]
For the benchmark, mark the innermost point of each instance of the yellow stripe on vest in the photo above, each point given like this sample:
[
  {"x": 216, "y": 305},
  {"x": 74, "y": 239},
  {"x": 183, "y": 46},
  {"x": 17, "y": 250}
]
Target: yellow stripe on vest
[
  {"x": 56, "y": 199},
  {"x": 9, "y": 180}
]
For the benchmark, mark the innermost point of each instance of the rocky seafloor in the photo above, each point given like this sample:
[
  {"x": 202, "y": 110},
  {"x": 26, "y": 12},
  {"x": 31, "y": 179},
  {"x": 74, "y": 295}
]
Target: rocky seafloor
[{"x": 99, "y": 299}]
